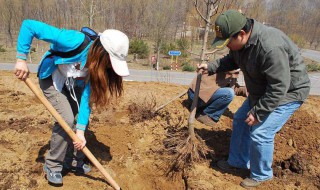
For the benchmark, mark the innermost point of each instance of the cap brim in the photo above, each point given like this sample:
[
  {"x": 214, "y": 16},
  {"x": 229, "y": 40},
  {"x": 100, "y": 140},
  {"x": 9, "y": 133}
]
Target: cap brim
[
  {"x": 220, "y": 43},
  {"x": 120, "y": 67}
]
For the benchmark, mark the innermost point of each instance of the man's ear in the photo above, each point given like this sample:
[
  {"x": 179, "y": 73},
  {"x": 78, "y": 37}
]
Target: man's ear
[{"x": 242, "y": 34}]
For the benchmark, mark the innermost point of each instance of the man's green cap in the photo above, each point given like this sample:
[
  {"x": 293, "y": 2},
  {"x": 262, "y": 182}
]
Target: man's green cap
[{"x": 227, "y": 24}]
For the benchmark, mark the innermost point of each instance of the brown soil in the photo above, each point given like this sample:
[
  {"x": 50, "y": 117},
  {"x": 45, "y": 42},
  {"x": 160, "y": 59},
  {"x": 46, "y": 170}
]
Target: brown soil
[{"x": 132, "y": 150}]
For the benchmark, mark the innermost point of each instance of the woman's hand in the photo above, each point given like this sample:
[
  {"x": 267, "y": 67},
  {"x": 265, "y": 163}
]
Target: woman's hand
[
  {"x": 80, "y": 145},
  {"x": 21, "y": 69}
]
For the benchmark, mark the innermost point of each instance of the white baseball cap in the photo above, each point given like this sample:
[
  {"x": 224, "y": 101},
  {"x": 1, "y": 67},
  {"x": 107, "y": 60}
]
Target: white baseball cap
[{"x": 116, "y": 43}]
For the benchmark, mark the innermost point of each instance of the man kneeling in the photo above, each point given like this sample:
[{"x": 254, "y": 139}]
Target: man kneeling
[{"x": 215, "y": 95}]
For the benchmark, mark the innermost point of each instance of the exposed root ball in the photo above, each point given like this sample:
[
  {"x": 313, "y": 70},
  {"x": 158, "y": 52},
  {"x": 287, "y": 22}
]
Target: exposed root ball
[
  {"x": 186, "y": 149},
  {"x": 142, "y": 108}
]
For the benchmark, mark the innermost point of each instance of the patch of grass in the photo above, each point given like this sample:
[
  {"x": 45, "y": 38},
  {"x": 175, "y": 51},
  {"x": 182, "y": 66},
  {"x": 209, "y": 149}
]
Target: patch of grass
[
  {"x": 139, "y": 47},
  {"x": 187, "y": 67},
  {"x": 2, "y": 49},
  {"x": 167, "y": 67},
  {"x": 145, "y": 63},
  {"x": 312, "y": 67}
]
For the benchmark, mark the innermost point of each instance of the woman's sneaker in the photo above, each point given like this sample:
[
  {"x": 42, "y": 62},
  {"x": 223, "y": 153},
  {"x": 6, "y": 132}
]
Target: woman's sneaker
[
  {"x": 84, "y": 169},
  {"x": 53, "y": 177}
]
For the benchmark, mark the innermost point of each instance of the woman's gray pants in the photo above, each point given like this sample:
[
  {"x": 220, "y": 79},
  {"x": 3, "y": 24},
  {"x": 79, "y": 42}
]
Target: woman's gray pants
[{"x": 61, "y": 146}]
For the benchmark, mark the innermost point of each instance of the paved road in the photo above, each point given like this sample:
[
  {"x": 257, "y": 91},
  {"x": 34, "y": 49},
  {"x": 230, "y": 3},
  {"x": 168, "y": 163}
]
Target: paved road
[
  {"x": 182, "y": 78},
  {"x": 311, "y": 54}
]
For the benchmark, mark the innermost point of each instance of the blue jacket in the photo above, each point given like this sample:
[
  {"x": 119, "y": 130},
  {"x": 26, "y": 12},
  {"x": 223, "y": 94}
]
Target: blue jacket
[{"x": 60, "y": 40}]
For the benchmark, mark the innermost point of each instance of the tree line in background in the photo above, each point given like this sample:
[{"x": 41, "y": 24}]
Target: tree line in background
[
  {"x": 137, "y": 18},
  {"x": 165, "y": 23},
  {"x": 300, "y": 19}
]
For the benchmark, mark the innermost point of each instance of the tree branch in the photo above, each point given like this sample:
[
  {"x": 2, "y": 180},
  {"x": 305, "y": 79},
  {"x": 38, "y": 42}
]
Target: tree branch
[
  {"x": 199, "y": 22},
  {"x": 209, "y": 54},
  {"x": 196, "y": 6},
  {"x": 212, "y": 52},
  {"x": 191, "y": 52},
  {"x": 84, "y": 7}
]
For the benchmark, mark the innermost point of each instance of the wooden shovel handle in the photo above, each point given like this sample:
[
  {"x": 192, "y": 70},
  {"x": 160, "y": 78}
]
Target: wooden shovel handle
[
  {"x": 195, "y": 99},
  {"x": 173, "y": 99},
  {"x": 69, "y": 131}
]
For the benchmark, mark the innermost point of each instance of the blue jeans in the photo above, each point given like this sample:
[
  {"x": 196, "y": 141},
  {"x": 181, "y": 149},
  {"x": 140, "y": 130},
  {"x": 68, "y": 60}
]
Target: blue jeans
[
  {"x": 252, "y": 147},
  {"x": 217, "y": 104}
]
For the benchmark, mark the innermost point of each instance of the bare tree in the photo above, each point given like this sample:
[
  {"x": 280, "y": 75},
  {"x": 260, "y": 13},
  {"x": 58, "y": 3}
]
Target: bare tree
[
  {"x": 207, "y": 10},
  {"x": 296, "y": 18},
  {"x": 160, "y": 20},
  {"x": 7, "y": 14},
  {"x": 312, "y": 28},
  {"x": 187, "y": 145},
  {"x": 90, "y": 9},
  {"x": 256, "y": 10}
]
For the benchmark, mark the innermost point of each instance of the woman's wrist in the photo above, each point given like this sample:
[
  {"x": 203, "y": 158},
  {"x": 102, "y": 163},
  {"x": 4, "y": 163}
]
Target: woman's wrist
[{"x": 80, "y": 132}]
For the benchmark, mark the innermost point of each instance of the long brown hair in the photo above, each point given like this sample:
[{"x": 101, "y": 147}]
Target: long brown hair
[{"x": 105, "y": 84}]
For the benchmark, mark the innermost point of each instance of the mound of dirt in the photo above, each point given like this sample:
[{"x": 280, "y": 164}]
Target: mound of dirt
[{"x": 130, "y": 146}]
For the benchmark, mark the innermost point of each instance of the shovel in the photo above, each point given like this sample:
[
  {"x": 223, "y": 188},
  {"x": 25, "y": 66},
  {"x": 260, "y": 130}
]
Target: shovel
[
  {"x": 194, "y": 104},
  {"x": 173, "y": 99},
  {"x": 69, "y": 131},
  {"x": 187, "y": 145}
]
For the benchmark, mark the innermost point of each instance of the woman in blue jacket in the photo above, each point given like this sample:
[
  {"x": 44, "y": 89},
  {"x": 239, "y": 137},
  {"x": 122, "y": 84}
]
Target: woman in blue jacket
[{"x": 76, "y": 69}]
